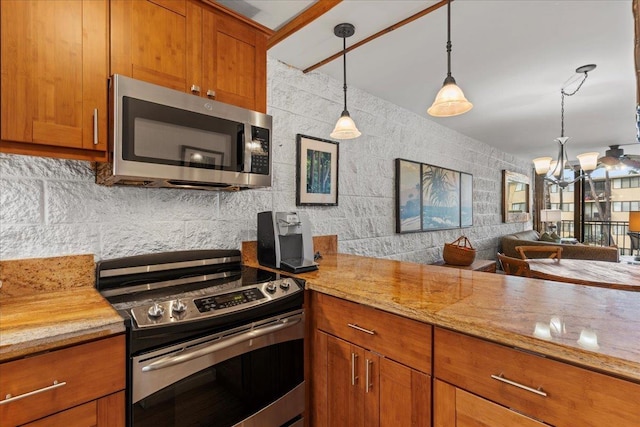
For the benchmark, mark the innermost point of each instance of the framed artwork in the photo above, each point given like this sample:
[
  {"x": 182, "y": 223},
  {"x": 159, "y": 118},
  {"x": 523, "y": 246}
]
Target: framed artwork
[
  {"x": 515, "y": 197},
  {"x": 431, "y": 198},
  {"x": 409, "y": 196},
  {"x": 440, "y": 198},
  {"x": 316, "y": 172},
  {"x": 201, "y": 158},
  {"x": 466, "y": 199}
]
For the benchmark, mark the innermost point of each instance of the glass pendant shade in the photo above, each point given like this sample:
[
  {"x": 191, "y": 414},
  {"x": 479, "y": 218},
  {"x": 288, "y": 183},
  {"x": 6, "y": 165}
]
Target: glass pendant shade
[
  {"x": 588, "y": 161},
  {"x": 450, "y": 101},
  {"x": 542, "y": 165},
  {"x": 345, "y": 128}
]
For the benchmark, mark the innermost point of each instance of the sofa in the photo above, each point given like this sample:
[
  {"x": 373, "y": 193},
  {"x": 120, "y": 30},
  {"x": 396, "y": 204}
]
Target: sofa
[{"x": 572, "y": 251}]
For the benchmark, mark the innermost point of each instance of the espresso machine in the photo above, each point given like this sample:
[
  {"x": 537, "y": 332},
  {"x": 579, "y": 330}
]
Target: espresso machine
[{"x": 285, "y": 242}]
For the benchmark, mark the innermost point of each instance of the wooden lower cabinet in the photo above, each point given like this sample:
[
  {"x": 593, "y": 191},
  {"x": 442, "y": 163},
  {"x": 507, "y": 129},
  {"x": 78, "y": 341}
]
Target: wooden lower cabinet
[
  {"x": 551, "y": 391},
  {"x": 105, "y": 412},
  {"x": 363, "y": 388},
  {"x": 354, "y": 385},
  {"x": 82, "y": 385},
  {"x": 454, "y": 407}
]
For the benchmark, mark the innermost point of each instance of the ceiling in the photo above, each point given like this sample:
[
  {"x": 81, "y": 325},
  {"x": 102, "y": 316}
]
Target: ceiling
[{"x": 511, "y": 58}]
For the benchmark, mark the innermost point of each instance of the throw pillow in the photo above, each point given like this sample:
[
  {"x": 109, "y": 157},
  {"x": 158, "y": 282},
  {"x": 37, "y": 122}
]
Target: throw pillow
[
  {"x": 545, "y": 237},
  {"x": 555, "y": 237}
]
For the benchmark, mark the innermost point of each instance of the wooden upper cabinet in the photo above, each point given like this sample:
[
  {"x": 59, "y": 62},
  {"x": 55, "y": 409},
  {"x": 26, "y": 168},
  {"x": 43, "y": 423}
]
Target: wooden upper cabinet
[
  {"x": 190, "y": 46},
  {"x": 149, "y": 41},
  {"x": 54, "y": 70},
  {"x": 234, "y": 61}
]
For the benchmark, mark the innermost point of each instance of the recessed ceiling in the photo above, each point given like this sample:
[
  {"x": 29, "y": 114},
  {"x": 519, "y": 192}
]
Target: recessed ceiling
[{"x": 511, "y": 59}]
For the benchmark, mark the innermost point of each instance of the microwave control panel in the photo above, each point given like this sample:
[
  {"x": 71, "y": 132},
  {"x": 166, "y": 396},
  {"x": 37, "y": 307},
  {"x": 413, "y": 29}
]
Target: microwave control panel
[{"x": 260, "y": 158}]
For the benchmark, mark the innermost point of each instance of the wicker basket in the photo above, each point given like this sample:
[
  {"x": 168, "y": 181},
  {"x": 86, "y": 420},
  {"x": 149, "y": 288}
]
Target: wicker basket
[{"x": 459, "y": 252}]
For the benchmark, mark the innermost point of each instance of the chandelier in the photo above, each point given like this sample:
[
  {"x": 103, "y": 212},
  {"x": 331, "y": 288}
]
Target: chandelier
[{"x": 588, "y": 161}]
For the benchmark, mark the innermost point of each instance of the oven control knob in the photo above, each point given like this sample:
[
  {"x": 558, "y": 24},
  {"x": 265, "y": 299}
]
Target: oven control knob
[
  {"x": 271, "y": 288},
  {"x": 178, "y": 306},
  {"x": 156, "y": 310},
  {"x": 284, "y": 285}
]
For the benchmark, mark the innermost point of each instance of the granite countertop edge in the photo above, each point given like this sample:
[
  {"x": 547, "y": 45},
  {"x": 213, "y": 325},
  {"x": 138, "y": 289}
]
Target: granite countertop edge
[
  {"x": 624, "y": 369},
  {"x": 33, "y": 341}
]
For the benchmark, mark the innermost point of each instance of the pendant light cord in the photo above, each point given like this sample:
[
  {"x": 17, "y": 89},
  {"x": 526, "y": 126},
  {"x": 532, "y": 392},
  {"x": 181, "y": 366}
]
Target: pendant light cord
[
  {"x": 449, "y": 38},
  {"x": 344, "y": 69},
  {"x": 562, "y": 94}
]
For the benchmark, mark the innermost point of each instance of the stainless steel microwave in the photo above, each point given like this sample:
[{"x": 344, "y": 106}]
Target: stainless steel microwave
[{"x": 160, "y": 137}]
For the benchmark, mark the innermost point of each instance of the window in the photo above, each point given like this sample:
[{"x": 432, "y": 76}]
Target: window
[
  {"x": 518, "y": 207},
  {"x": 627, "y": 182},
  {"x": 564, "y": 207},
  {"x": 626, "y": 206}
]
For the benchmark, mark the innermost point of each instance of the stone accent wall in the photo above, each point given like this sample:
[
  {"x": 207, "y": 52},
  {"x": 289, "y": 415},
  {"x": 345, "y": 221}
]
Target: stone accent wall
[{"x": 51, "y": 207}]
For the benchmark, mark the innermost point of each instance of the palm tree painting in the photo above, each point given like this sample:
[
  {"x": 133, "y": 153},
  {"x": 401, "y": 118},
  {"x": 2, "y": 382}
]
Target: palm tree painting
[
  {"x": 440, "y": 198},
  {"x": 408, "y": 193}
]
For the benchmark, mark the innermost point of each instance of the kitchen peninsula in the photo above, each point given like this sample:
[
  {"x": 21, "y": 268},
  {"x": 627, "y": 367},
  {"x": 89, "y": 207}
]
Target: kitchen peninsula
[
  {"x": 579, "y": 345},
  {"x": 576, "y": 349}
]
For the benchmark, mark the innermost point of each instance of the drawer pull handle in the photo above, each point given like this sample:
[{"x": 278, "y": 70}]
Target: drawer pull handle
[
  {"x": 95, "y": 126},
  {"x": 369, "y": 385},
  {"x": 537, "y": 391},
  {"x": 361, "y": 329},
  {"x": 8, "y": 398},
  {"x": 354, "y": 357}
]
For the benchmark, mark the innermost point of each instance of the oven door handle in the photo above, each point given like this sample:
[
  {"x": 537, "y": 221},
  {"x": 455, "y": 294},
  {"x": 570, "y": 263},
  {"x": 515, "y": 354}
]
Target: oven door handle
[{"x": 165, "y": 362}]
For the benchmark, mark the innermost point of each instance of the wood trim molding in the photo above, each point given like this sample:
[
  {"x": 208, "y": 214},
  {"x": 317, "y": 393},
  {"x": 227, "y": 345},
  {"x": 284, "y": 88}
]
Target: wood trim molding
[
  {"x": 636, "y": 18},
  {"x": 380, "y": 33},
  {"x": 303, "y": 19}
]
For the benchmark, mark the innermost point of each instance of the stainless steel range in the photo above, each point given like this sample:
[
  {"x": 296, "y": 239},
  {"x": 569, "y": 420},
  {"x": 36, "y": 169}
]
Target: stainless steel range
[{"x": 210, "y": 342}]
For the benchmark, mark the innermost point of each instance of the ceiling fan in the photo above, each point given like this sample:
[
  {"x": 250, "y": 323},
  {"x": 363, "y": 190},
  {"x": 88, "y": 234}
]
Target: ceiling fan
[{"x": 615, "y": 157}]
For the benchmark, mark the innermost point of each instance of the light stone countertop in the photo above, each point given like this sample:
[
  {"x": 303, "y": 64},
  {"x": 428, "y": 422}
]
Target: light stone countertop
[
  {"x": 503, "y": 309},
  {"x": 499, "y": 308},
  {"x": 49, "y": 303}
]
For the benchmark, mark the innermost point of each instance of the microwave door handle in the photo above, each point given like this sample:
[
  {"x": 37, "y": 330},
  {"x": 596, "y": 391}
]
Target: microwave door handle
[
  {"x": 166, "y": 362},
  {"x": 248, "y": 142}
]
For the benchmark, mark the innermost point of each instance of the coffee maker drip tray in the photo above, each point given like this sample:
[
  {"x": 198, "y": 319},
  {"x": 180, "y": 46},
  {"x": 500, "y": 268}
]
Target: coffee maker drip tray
[{"x": 298, "y": 265}]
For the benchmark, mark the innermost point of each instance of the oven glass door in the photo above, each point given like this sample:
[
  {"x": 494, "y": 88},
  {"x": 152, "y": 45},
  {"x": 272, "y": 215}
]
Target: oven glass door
[{"x": 246, "y": 373}]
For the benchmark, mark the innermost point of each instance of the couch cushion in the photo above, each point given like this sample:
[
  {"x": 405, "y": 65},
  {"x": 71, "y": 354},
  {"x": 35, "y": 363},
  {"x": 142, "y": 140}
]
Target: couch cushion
[
  {"x": 527, "y": 235},
  {"x": 546, "y": 237}
]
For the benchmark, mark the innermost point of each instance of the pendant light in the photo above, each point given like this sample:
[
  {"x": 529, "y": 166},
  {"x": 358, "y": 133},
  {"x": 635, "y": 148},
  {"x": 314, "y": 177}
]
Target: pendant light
[
  {"x": 588, "y": 161},
  {"x": 345, "y": 127},
  {"x": 450, "y": 100}
]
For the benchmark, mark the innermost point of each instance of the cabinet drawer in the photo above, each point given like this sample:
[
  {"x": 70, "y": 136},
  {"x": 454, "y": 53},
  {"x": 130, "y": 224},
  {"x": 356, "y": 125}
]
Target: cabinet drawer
[
  {"x": 403, "y": 340},
  {"x": 574, "y": 396},
  {"x": 80, "y": 373}
]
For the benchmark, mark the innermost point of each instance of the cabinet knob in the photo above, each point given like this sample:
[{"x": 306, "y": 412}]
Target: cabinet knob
[
  {"x": 211, "y": 93},
  {"x": 195, "y": 88}
]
